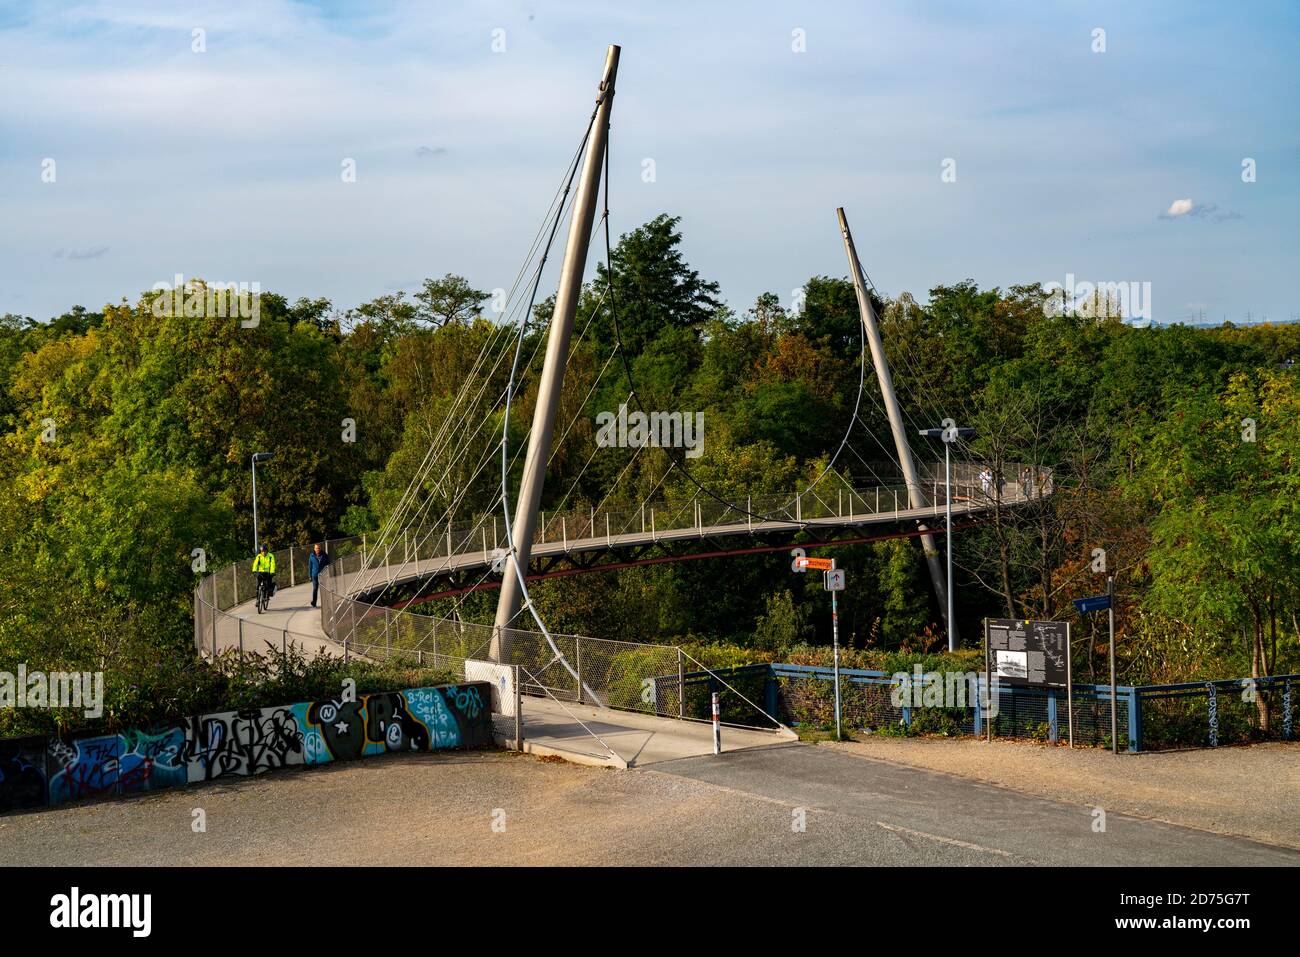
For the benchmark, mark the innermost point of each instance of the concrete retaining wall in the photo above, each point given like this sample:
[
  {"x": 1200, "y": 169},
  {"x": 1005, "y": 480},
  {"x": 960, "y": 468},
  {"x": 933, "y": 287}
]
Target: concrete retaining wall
[{"x": 39, "y": 771}]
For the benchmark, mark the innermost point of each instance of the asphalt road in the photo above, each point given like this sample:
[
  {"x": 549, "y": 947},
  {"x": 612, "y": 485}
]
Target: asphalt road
[
  {"x": 953, "y": 820},
  {"x": 499, "y": 808}
]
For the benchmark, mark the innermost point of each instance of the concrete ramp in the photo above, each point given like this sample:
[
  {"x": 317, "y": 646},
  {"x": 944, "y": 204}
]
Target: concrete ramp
[{"x": 637, "y": 740}]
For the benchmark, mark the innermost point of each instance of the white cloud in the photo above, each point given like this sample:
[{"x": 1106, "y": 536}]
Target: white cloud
[{"x": 1180, "y": 207}]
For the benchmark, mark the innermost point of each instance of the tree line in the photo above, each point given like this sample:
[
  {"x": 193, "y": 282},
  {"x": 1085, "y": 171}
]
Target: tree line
[{"x": 126, "y": 441}]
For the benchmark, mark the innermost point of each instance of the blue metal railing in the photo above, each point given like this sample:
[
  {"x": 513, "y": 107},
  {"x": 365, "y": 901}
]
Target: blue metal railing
[{"x": 1149, "y": 717}]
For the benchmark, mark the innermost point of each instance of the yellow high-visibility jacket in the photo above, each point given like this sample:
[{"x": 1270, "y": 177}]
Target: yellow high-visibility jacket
[{"x": 264, "y": 563}]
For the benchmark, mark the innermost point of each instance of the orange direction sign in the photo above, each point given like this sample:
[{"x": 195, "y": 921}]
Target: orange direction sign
[{"x": 821, "y": 564}]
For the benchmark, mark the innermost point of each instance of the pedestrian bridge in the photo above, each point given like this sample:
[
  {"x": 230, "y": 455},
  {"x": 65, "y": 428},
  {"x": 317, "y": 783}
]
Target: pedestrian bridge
[
  {"x": 366, "y": 606},
  {"x": 353, "y": 615}
]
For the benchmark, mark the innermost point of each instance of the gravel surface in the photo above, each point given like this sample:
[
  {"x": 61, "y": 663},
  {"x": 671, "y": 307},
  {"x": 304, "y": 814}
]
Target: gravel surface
[
  {"x": 438, "y": 809},
  {"x": 1250, "y": 791}
]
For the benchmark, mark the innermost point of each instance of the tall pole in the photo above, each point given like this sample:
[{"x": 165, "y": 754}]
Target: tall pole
[
  {"x": 835, "y": 643},
  {"x": 1114, "y": 725},
  {"x": 557, "y": 352},
  {"x": 947, "y": 494},
  {"x": 1069, "y": 683},
  {"x": 256, "y": 540},
  {"x": 895, "y": 414}
]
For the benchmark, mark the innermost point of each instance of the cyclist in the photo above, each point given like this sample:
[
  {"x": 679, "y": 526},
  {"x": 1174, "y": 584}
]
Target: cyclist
[{"x": 264, "y": 569}]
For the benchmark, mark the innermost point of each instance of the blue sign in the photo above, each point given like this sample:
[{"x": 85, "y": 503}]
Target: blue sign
[{"x": 1094, "y": 603}]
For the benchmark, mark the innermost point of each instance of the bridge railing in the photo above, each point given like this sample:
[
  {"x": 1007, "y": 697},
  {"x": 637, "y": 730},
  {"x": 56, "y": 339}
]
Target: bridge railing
[
  {"x": 368, "y": 562},
  {"x": 406, "y": 553}
]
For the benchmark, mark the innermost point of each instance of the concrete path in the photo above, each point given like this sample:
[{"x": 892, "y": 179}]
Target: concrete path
[
  {"x": 964, "y": 821},
  {"x": 290, "y": 619},
  {"x": 637, "y": 740}
]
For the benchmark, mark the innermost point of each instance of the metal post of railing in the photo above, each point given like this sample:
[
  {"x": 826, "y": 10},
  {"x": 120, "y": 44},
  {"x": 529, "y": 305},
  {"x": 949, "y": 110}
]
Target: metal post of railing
[
  {"x": 749, "y": 512},
  {"x": 798, "y": 506},
  {"x": 564, "y": 530},
  {"x": 284, "y": 642},
  {"x": 406, "y": 546},
  {"x": 877, "y": 511},
  {"x": 609, "y": 539},
  {"x": 293, "y": 579},
  {"x": 519, "y": 710},
  {"x": 895, "y": 503},
  {"x": 592, "y": 526},
  {"x": 495, "y": 543},
  {"x": 681, "y": 686},
  {"x": 577, "y": 653},
  {"x": 234, "y": 581},
  {"x": 449, "y": 538},
  {"x": 643, "y": 518}
]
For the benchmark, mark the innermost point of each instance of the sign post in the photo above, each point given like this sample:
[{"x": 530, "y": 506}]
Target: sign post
[
  {"x": 717, "y": 726},
  {"x": 833, "y": 580},
  {"x": 834, "y": 583},
  {"x": 1069, "y": 685},
  {"x": 1110, "y": 607},
  {"x": 1106, "y": 603}
]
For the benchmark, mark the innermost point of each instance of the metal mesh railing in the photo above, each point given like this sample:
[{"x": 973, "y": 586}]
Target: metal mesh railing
[
  {"x": 417, "y": 555},
  {"x": 626, "y": 675},
  {"x": 1214, "y": 713}
]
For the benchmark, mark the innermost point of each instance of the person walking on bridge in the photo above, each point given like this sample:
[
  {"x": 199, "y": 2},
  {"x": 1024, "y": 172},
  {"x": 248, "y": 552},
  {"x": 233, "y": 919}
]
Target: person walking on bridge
[{"x": 317, "y": 562}]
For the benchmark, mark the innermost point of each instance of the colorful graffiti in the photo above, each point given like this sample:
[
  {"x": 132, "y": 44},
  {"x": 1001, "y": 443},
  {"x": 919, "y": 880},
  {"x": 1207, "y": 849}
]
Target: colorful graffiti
[
  {"x": 84, "y": 768},
  {"x": 35, "y": 771},
  {"x": 421, "y": 719},
  {"x": 152, "y": 759}
]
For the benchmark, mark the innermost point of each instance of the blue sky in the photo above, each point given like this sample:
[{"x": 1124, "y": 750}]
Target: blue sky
[{"x": 226, "y": 163}]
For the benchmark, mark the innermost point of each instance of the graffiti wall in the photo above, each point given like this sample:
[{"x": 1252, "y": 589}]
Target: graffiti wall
[
  {"x": 242, "y": 743},
  {"x": 36, "y": 771},
  {"x": 421, "y": 719}
]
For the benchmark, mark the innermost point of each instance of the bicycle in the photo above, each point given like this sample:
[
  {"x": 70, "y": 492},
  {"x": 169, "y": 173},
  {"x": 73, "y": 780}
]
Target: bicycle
[{"x": 265, "y": 589}]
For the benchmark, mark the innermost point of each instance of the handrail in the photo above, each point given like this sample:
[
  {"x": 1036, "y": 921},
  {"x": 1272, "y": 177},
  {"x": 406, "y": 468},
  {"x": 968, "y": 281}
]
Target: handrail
[{"x": 586, "y": 528}]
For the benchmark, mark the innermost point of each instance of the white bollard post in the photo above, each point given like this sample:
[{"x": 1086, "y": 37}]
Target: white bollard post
[{"x": 717, "y": 726}]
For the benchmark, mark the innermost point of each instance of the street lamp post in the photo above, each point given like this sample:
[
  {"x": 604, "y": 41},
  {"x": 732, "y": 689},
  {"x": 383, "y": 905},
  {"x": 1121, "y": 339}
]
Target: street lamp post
[
  {"x": 258, "y": 457},
  {"x": 950, "y": 433}
]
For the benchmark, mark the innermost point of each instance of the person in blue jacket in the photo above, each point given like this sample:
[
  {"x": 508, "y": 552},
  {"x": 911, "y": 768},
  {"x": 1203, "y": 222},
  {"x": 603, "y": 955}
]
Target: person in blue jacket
[{"x": 317, "y": 562}]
